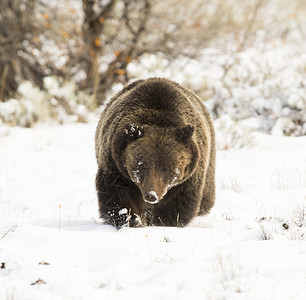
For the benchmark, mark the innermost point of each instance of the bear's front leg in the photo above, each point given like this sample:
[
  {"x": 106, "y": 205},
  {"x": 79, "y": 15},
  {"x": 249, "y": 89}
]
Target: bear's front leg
[
  {"x": 120, "y": 218},
  {"x": 177, "y": 212},
  {"x": 115, "y": 201}
]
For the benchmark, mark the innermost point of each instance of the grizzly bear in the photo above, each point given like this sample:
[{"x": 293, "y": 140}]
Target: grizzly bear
[{"x": 155, "y": 149}]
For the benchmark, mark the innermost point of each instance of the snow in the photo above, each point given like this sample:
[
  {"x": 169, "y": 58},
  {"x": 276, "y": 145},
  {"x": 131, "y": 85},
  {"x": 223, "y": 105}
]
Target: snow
[
  {"x": 123, "y": 211},
  {"x": 153, "y": 193},
  {"x": 136, "y": 176},
  {"x": 53, "y": 245}
]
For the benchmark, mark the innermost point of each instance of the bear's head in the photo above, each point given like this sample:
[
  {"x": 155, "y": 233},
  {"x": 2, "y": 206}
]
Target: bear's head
[{"x": 156, "y": 159}]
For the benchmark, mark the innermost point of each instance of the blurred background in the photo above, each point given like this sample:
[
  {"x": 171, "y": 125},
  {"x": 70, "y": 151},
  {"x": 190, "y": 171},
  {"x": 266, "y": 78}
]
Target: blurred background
[{"x": 60, "y": 60}]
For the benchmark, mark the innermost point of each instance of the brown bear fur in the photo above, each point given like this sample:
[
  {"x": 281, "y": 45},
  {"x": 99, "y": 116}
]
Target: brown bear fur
[{"x": 155, "y": 149}]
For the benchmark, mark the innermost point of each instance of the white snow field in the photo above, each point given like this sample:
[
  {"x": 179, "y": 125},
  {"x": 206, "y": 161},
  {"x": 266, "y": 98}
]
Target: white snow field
[{"x": 53, "y": 245}]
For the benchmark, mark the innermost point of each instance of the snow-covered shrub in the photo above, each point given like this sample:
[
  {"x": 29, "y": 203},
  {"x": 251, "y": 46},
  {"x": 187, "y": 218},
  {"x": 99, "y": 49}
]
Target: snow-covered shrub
[
  {"x": 150, "y": 65},
  {"x": 60, "y": 101},
  {"x": 21, "y": 113},
  {"x": 69, "y": 104},
  {"x": 257, "y": 86}
]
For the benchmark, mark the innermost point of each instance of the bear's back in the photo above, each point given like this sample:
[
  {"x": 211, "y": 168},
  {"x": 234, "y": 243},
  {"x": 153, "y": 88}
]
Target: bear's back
[{"x": 147, "y": 99}]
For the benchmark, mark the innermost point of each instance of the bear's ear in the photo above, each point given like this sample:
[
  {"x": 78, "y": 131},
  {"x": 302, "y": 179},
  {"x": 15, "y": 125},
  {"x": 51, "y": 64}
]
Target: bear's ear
[
  {"x": 185, "y": 134},
  {"x": 133, "y": 132}
]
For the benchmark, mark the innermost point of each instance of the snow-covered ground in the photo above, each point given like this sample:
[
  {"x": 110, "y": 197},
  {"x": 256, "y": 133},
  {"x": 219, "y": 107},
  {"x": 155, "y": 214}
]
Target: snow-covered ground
[{"x": 53, "y": 246}]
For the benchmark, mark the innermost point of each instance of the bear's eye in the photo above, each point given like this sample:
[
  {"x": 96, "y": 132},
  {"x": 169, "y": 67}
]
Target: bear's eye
[{"x": 144, "y": 170}]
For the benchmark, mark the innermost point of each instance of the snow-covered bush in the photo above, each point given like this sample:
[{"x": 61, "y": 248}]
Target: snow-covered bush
[
  {"x": 266, "y": 85},
  {"x": 60, "y": 101}
]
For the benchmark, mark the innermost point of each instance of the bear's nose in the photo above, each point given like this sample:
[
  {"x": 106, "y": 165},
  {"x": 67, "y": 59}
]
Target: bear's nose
[{"x": 151, "y": 197}]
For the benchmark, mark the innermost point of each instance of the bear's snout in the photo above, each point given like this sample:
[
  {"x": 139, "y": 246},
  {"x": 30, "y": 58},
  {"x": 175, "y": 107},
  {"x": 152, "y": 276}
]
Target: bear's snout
[{"x": 151, "y": 197}]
